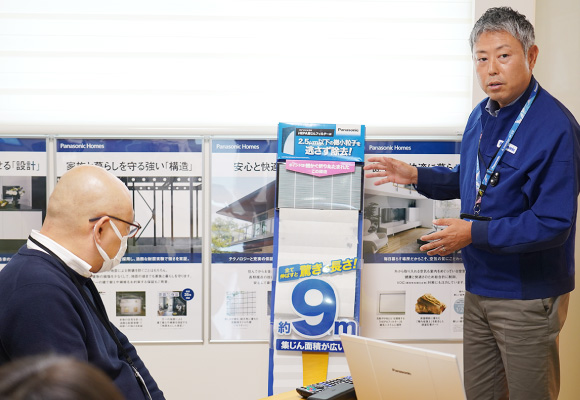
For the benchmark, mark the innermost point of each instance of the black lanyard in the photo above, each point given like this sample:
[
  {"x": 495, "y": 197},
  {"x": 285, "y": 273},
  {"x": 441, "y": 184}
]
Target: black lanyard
[{"x": 99, "y": 309}]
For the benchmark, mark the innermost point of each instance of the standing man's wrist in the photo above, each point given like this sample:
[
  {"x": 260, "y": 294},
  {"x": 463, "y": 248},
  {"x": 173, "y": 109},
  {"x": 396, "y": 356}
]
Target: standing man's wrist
[{"x": 415, "y": 176}]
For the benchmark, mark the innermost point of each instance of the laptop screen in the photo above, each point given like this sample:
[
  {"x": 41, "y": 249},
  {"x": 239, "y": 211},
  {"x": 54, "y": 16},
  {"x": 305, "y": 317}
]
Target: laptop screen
[{"x": 383, "y": 370}]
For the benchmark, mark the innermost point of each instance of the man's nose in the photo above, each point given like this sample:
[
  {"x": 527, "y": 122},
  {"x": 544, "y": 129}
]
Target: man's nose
[{"x": 492, "y": 66}]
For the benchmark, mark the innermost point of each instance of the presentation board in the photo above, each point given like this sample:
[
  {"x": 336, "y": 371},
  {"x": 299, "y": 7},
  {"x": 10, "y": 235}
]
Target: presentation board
[
  {"x": 156, "y": 293},
  {"x": 243, "y": 174},
  {"x": 407, "y": 294},
  {"x": 23, "y": 173}
]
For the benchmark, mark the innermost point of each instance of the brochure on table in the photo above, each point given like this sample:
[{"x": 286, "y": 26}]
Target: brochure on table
[
  {"x": 23, "y": 171},
  {"x": 407, "y": 294},
  {"x": 243, "y": 181},
  {"x": 316, "y": 246},
  {"x": 155, "y": 295}
]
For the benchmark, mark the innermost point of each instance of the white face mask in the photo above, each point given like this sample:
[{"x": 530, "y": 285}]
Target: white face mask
[{"x": 108, "y": 263}]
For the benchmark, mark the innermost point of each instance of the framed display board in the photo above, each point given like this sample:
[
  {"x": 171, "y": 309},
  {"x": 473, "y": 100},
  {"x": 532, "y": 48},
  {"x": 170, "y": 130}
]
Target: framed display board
[
  {"x": 156, "y": 292},
  {"x": 243, "y": 174},
  {"x": 408, "y": 295}
]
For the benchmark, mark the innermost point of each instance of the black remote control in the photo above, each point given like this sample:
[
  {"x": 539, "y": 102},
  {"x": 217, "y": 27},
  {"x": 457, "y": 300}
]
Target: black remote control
[{"x": 309, "y": 390}]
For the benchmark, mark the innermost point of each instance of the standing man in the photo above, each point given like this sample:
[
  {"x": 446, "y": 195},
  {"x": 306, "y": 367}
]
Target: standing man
[
  {"x": 518, "y": 180},
  {"x": 48, "y": 302}
]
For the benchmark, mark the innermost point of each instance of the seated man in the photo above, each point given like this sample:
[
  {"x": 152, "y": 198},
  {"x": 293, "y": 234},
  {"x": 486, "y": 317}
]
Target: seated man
[{"x": 49, "y": 302}]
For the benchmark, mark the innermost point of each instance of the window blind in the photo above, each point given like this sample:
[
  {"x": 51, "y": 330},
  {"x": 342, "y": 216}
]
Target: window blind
[{"x": 215, "y": 63}]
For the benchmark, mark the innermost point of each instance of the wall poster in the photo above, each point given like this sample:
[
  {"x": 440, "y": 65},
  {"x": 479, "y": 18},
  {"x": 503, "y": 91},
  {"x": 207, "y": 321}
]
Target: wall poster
[
  {"x": 155, "y": 295},
  {"x": 407, "y": 294},
  {"x": 23, "y": 171},
  {"x": 243, "y": 174}
]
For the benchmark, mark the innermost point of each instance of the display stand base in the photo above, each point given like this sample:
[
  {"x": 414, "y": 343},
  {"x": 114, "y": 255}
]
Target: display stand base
[{"x": 314, "y": 367}]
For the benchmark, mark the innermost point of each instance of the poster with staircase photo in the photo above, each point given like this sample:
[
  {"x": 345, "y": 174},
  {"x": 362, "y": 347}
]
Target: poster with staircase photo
[
  {"x": 407, "y": 293},
  {"x": 155, "y": 295}
]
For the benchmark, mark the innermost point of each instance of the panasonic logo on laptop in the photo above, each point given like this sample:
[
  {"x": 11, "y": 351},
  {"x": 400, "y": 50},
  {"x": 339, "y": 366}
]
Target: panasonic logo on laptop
[{"x": 400, "y": 372}]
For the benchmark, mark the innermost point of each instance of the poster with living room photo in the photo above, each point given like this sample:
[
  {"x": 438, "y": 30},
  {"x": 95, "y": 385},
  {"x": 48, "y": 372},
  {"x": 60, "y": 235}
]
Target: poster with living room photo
[
  {"x": 396, "y": 216},
  {"x": 396, "y": 224}
]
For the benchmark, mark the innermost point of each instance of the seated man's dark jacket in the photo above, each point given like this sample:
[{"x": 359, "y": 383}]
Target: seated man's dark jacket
[{"x": 42, "y": 311}]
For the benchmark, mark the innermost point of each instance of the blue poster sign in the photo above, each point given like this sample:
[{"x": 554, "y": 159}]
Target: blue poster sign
[{"x": 321, "y": 142}]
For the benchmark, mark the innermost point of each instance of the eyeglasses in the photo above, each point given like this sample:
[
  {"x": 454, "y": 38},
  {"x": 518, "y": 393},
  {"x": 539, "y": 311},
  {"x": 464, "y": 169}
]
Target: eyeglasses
[{"x": 135, "y": 226}]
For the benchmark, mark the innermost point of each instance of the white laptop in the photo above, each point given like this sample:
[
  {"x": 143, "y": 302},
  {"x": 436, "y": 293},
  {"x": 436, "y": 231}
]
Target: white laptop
[{"x": 383, "y": 371}]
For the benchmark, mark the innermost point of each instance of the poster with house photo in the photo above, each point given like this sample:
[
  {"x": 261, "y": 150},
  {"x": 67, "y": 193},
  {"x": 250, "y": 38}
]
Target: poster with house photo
[
  {"x": 408, "y": 294},
  {"x": 155, "y": 295},
  {"x": 23, "y": 171},
  {"x": 243, "y": 178}
]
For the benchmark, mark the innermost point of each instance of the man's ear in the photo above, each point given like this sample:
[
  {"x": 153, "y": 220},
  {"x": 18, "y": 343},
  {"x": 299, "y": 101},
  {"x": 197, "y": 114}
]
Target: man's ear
[
  {"x": 532, "y": 56},
  {"x": 98, "y": 229}
]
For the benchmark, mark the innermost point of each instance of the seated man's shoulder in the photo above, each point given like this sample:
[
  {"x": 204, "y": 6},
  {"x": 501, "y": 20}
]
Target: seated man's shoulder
[{"x": 30, "y": 267}]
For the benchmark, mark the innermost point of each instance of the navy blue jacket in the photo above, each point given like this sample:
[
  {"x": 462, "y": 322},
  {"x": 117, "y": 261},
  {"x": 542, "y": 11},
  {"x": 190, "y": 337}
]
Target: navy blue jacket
[
  {"x": 42, "y": 311},
  {"x": 527, "y": 250}
]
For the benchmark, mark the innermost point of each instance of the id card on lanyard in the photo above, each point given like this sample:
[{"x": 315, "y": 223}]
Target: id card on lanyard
[{"x": 490, "y": 175}]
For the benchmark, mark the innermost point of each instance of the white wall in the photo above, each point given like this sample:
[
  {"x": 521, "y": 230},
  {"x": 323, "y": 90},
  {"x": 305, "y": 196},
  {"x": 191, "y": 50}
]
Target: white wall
[{"x": 558, "y": 37}]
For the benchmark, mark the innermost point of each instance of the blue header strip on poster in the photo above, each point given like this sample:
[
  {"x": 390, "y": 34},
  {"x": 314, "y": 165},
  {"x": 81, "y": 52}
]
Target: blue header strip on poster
[
  {"x": 326, "y": 142},
  {"x": 19, "y": 144},
  {"x": 244, "y": 146},
  {"x": 409, "y": 147},
  {"x": 129, "y": 145}
]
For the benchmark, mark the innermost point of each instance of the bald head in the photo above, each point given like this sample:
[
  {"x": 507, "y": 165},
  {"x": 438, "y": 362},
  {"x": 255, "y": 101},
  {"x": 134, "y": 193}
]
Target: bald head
[{"x": 82, "y": 193}]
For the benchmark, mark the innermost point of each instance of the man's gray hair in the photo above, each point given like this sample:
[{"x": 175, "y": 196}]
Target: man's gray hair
[{"x": 504, "y": 19}]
